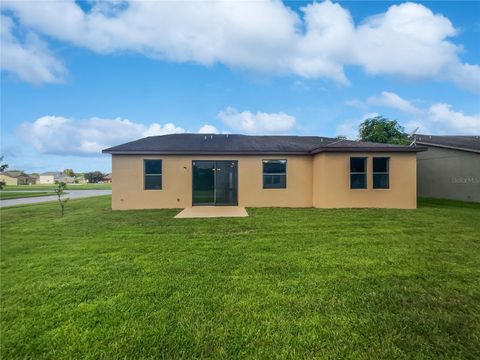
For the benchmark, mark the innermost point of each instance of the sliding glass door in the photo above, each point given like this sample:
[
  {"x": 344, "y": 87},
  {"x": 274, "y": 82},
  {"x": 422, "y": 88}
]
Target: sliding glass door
[{"x": 214, "y": 182}]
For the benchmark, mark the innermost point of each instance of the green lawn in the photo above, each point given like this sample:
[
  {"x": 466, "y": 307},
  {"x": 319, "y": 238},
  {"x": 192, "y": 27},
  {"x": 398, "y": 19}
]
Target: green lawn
[
  {"x": 5, "y": 195},
  {"x": 282, "y": 283},
  {"x": 51, "y": 187}
]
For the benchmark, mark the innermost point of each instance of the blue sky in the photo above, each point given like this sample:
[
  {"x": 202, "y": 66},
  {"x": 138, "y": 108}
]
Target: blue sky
[{"x": 78, "y": 77}]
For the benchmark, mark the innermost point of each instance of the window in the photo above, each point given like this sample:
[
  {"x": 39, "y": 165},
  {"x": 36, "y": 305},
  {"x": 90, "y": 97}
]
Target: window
[
  {"x": 274, "y": 174},
  {"x": 380, "y": 173},
  {"x": 358, "y": 173},
  {"x": 152, "y": 174}
]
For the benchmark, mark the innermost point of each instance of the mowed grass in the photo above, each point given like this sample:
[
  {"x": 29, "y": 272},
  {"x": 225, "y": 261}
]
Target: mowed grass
[
  {"x": 40, "y": 187},
  {"x": 282, "y": 283},
  {"x": 6, "y": 195}
]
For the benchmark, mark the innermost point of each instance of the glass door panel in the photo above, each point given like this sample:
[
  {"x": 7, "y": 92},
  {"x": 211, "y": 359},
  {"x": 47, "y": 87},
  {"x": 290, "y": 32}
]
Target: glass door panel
[
  {"x": 203, "y": 182},
  {"x": 226, "y": 182}
]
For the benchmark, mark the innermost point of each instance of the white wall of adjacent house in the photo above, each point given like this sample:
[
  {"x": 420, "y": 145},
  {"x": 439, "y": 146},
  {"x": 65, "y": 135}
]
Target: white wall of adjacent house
[{"x": 46, "y": 179}]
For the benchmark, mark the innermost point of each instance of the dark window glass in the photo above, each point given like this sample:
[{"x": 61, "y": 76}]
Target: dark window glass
[
  {"x": 153, "y": 174},
  {"x": 274, "y": 166},
  {"x": 274, "y": 174},
  {"x": 358, "y": 173},
  {"x": 380, "y": 181},
  {"x": 380, "y": 165},
  {"x": 358, "y": 181},
  {"x": 153, "y": 182},
  {"x": 381, "y": 173},
  {"x": 274, "y": 181},
  {"x": 153, "y": 167},
  {"x": 357, "y": 164}
]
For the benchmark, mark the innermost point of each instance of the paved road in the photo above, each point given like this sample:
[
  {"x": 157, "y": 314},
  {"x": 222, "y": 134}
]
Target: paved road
[{"x": 72, "y": 194}]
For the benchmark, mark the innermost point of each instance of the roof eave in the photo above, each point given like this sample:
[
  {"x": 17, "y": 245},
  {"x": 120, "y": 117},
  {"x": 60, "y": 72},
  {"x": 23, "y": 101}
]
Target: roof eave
[
  {"x": 369, "y": 149},
  {"x": 313, "y": 152},
  {"x": 425, "y": 144},
  {"x": 130, "y": 152}
]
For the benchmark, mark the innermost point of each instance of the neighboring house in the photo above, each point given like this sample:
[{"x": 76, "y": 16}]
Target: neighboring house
[
  {"x": 66, "y": 179},
  {"x": 51, "y": 177},
  {"x": 107, "y": 178},
  {"x": 79, "y": 179},
  {"x": 16, "y": 178},
  {"x": 35, "y": 178},
  {"x": 181, "y": 170},
  {"x": 450, "y": 169}
]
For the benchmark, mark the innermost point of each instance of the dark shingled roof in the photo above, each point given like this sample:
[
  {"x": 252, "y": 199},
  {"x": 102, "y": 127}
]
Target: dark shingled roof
[
  {"x": 465, "y": 143},
  {"x": 14, "y": 173},
  {"x": 190, "y": 144}
]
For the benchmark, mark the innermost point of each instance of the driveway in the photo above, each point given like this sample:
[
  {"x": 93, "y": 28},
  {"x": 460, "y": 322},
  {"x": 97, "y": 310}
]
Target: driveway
[{"x": 72, "y": 194}]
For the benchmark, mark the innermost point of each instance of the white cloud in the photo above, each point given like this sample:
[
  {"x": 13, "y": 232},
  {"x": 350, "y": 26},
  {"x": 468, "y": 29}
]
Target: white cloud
[
  {"x": 208, "y": 129},
  {"x": 436, "y": 119},
  {"x": 442, "y": 119},
  {"x": 439, "y": 118},
  {"x": 257, "y": 123},
  {"x": 65, "y": 136},
  {"x": 392, "y": 100},
  {"x": 157, "y": 129},
  {"x": 349, "y": 128},
  {"x": 58, "y": 135},
  {"x": 408, "y": 40},
  {"x": 30, "y": 60}
]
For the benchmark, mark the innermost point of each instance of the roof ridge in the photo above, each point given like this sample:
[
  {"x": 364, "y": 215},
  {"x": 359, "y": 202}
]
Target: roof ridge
[{"x": 335, "y": 142}]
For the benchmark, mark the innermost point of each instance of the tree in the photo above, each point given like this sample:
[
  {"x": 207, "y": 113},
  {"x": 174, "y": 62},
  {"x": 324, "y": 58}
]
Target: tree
[
  {"x": 69, "y": 172},
  {"x": 3, "y": 166},
  {"x": 60, "y": 192},
  {"x": 94, "y": 176},
  {"x": 341, "y": 137},
  {"x": 382, "y": 130}
]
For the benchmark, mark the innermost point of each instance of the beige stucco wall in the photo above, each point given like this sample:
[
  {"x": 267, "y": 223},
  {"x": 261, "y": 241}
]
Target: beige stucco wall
[
  {"x": 331, "y": 185},
  {"x": 321, "y": 181},
  {"x": 8, "y": 180},
  {"x": 128, "y": 192}
]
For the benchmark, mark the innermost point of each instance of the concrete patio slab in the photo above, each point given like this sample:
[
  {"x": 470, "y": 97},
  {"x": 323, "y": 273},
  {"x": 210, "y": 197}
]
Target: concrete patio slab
[{"x": 212, "y": 211}]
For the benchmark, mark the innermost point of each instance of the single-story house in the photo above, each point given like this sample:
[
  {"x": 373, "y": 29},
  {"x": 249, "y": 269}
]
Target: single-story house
[
  {"x": 66, "y": 179},
  {"x": 183, "y": 170},
  {"x": 107, "y": 178},
  {"x": 50, "y": 177},
  {"x": 16, "y": 178},
  {"x": 450, "y": 169}
]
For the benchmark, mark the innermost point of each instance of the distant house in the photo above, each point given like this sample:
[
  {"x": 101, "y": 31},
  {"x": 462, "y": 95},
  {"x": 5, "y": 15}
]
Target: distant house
[
  {"x": 17, "y": 178},
  {"x": 36, "y": 177},
  {"x": 107, "y": 178},
  {"x": 51, "y": 177},
  {"x": 450, "y": 169},
  {"x": 66, "y": 179},
  {"x": 80, "y": 179}
]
